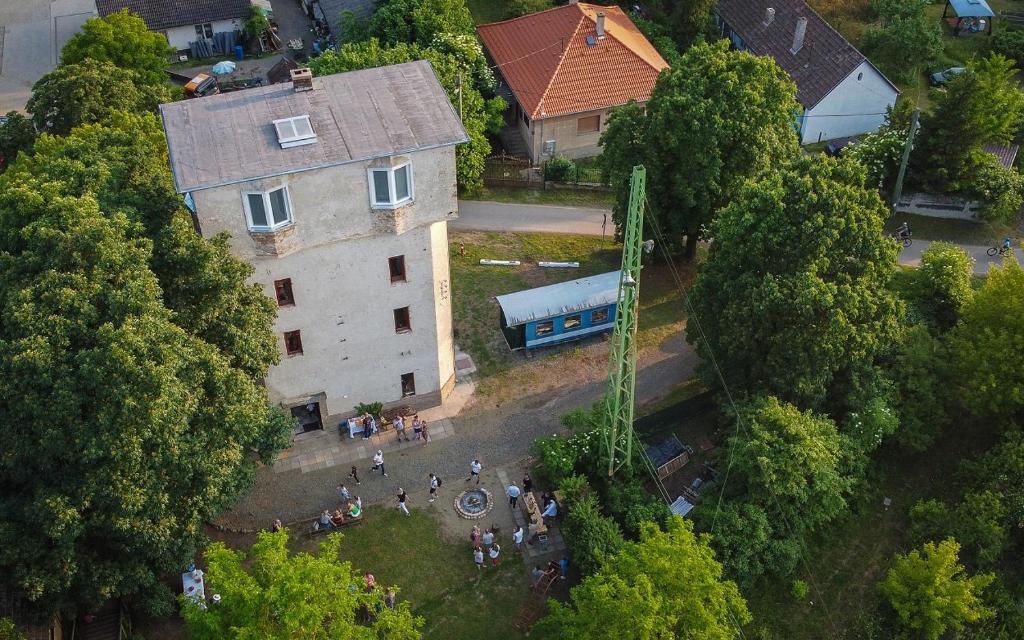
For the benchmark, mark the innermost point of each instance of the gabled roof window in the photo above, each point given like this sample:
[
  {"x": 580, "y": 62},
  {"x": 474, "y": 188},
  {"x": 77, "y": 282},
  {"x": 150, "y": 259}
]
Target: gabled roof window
[{"x": 294, "y": 132}]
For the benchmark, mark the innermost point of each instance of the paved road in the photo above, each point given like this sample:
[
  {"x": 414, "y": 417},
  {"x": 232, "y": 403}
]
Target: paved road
[
  {"x": 911, "y": 256},
  {"x": 499, "y": 216},
  {"x": 32, "y": 33}
]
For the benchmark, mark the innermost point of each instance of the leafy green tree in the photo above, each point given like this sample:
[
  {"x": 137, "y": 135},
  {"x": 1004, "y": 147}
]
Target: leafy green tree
[
  {"x": 906, "y": 40},
  {"x": 720, "y": 116},
  {"x": 790, "y": 462},
  {"x": 624, "y": 144},
  {"x": 16, "y": 135},
  {"x": 419, "y": 21},
  {"x": 689, "y": 22},
  {"x": 269, "y": 594},
  {"x": 1000, "y": 189},
  {"x": 1001, "y": 472},
  {"x": 8, "y": 631},
  {"x": 980, "y": 106},
  {"x": 793, "y": 299},
  {"x": 123, "y": 39},
  {"x": 930, "y": 595},
  {"x": 667, "y": 585},
  {"x": 479, "y": 115},
  {"x": 127, "y": 429},
  {"x": 518, "y": 8},
  {"x": 88, "y": 92},
  {"x": 921, "y": 374},
  {"x": 592, "y": 537},
  {"x": 880, "y": 152},
  {"x": 986, "y": 344},
  {"x": 748, "y": 541},
  {"x": 942, "y": 284},
  {"x": 256, "y": 24},
  {"x": 660, "y": 36}
]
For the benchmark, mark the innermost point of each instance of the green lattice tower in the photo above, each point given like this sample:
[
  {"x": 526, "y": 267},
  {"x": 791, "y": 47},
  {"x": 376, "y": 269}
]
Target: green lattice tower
[{"x": 617, "y": 443}]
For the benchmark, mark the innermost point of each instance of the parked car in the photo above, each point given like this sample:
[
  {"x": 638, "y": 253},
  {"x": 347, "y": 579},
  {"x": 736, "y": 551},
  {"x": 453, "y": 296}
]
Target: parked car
[
  {"x": 942, "y": 77},
  {"x": 837, "y": 146}
]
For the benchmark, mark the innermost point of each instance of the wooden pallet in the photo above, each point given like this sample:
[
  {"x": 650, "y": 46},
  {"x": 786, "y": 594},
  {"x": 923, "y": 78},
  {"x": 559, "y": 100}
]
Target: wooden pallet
[{"x": 530, "y": 612}]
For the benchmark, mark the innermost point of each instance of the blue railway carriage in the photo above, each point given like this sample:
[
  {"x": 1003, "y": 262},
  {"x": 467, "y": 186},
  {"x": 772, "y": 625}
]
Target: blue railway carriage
[{"x": 560, "y": 312}]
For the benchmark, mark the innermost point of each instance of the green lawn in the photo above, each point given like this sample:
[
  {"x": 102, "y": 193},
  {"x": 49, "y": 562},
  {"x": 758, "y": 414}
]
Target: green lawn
[
  {"x": 564, "y": 197},
  {"x": 485, "y": 11},
  {"x": 437, "y": 577}
]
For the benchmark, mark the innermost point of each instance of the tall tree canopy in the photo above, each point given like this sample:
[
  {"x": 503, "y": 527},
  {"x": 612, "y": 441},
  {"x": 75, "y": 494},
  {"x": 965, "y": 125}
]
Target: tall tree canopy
[
  {"x": 123, "y": 39},
  {"x": 987, "y": 343},
  {"x": 419, "y": 21},
  {"x": 89, "y": 92},
  {"x": 666, "y": 585},
  {"x": 714, "y": 119},
  {"x": 906, "y": 39},
  {"x": 133, "y": 415},
  {"x": 16, "y": 135},
  {"x": 793, "y": 299},
  {"x": 930, "y": 595},
  {"x": 269, "y": 594},
  {"x": 479, "y": 115}
]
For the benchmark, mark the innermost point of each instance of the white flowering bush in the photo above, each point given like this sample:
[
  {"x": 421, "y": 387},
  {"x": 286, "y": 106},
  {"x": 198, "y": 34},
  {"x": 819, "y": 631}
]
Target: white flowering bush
[{"x": 880, "y": 153}]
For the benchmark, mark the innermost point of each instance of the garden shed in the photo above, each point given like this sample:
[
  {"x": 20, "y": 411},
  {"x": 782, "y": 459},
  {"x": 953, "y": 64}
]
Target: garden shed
[
  {"x": 668, "y": 456},
  {"x": 970, "y": 16},
  {"x": 560, "y": 312}
]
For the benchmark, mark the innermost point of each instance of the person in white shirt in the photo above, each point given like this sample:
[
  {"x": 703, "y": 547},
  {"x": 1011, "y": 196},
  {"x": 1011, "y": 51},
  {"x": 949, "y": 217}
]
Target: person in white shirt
[
  {"x": 434, "y": 484},
  {"x": 550, "y": 511},
  {"x": 495, "y": 550},
  {"x": 474, "y": 470},
  {"x": 378, "y": 462},
  {"x": 488, "y": 539},
  {"x": 512, "y": 491},
  {"x": 517, "y": 538}
]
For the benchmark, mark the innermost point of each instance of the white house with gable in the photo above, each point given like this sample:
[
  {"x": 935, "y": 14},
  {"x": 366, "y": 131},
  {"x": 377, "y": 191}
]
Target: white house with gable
[
  {"x": 338, "y": 191},
  {"x": 841, "y": 92}
]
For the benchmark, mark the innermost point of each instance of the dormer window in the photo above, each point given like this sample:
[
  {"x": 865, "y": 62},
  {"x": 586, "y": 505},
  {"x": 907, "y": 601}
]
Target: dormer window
[
  {"x": 391, "y": 187},
  {"x": 294, "y": 132},
  {"x": 267, "y": 210}
]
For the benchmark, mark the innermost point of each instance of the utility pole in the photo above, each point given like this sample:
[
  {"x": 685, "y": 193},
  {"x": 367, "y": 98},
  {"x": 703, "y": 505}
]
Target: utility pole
[
  {"x": 460, "y": 96},
  {"x": 897, "y": 190},
  {"x": 617, "y": 420}
]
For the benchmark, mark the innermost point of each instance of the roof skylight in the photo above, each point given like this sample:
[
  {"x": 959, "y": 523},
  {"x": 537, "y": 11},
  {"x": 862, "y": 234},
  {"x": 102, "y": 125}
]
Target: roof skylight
[{"x": 294, "y": 132}]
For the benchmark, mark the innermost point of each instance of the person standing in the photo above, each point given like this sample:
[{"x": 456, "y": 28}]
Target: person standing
[
  {"x": 517, "y": 538},
  {"x": 378, "y": 463},
  {"x": 494, "y": 552},
  {"x": 402, "y": 496},
  {"x": 550, "y": 511},
  {"x": 426, "y": 435},
  {"x": 527, "y": 483},
  {"x": 512, "y": 491},
  {"x": 389, "y": 598},
  {"x": 474, "y": 471},
  {"x": 417, "y": 427},
  {"x": 488, "y": 539},
  {"x": 369, "y": 426},
  {"x": 478, "y": 558},
  {"x": 343, "y": 493},
  {"x": 399, "y": 424},
  {"x": 474, "y": 536},
  {"x": 563, "y": 566},
  {"x": 434, "y": 484},
  {"x": 536, "y": 576},
  {"x": 354, "y": 474}
]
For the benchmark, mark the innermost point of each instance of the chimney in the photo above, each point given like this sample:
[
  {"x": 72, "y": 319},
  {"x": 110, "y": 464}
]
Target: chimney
[
  {"x": 798, "y": 35},
  {"x": 302, "y": 79},
  {"x": 600, "y": 24},
  {"x": 769, "y": 15}
]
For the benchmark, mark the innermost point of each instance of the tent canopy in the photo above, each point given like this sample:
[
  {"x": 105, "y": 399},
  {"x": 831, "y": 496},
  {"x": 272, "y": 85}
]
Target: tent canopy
[{"x": 971, "y": 8}]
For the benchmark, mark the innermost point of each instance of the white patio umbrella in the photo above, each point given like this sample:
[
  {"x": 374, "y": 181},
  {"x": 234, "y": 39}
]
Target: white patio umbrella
[{"x": 223, "y": 68}]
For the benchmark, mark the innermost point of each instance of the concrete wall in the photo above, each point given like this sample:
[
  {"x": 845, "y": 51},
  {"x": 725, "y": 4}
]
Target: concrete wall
[
  {"x": 180, "y": 37},
  {"x": 870, "y": 94},
  {"x": 562, "y": 129},
  {"x": 336, "y": 254}
]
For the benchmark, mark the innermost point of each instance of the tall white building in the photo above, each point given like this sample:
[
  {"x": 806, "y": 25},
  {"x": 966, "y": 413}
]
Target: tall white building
[{"x": 337, "y": 190}]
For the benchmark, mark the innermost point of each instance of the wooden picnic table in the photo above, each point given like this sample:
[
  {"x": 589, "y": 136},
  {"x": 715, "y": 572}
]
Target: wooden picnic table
[{"x": 533, "y": 512}]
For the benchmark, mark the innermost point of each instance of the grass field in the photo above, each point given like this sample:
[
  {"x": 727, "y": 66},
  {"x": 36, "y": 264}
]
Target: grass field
[{"x": 565, "y": 197}]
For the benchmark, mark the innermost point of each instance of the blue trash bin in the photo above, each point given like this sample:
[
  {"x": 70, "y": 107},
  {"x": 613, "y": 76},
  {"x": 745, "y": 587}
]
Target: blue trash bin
[{"x": 239, "y": 52}]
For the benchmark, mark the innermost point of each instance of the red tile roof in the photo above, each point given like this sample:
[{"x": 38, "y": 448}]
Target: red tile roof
[{"x": 548, "y": 64}]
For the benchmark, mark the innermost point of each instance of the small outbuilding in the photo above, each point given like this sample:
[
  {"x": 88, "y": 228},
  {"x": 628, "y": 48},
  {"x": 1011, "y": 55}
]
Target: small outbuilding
[
  {"x": 668, "y": 456},
  {"x": 970, "y": 16},
  {"x": 560, "y": 312}
]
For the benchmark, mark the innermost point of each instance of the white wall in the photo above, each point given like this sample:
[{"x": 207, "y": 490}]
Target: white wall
[
  {"x": 869, "y": 95},
  {"x": 336, "y": 254},
  {"x": 180, "y": 37}
]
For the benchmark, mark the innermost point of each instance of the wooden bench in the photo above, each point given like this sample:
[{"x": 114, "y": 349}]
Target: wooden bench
[{"x": 316, "y": 529}]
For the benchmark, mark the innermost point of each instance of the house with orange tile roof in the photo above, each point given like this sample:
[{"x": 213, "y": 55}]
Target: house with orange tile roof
[{"x": 563, "y": 69}]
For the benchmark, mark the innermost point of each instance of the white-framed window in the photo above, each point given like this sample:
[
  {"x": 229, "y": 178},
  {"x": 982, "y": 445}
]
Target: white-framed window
[
  {"x": 204, "y": 30},
  {"x": 294, "y": 132},
  {"x": 391, "y": 187},
  {"x": 267, "y": 210}
]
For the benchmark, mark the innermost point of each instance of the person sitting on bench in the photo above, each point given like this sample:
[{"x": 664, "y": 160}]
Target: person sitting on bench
[
  {"x": 324, "y": 522},
  {"x": 354, "y": 510},
  {"x": 338, "y": 518}
]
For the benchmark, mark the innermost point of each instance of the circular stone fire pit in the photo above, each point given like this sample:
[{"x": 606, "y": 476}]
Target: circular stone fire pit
[{"x": 474, "y": 503}]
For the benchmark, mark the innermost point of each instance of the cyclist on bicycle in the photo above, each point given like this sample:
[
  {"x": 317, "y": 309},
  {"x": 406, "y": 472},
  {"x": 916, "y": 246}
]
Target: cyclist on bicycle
[
  {"x": 1007, "y": 243},
  {"x": 902, "y": 231}
]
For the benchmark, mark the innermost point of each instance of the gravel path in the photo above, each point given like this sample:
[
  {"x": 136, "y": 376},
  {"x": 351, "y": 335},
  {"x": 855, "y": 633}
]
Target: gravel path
[{"x": 495, "y": 436}]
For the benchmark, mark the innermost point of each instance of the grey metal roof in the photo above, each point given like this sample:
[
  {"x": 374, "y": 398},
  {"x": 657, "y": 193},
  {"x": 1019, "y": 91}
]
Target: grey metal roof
[
  {"x": 558, "y": 299},
  {"x": 665, "y": 452},
  {"x": 359, "y": 115},
  {"x": 825, "y": 59},
  {"x": 164, "y": 14}
]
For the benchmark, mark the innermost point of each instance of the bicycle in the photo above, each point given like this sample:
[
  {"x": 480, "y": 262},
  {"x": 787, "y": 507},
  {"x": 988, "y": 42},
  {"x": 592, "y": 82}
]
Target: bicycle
[
  {"x": 903, "y": 238},
  {"x": 1002, "y": 251}
]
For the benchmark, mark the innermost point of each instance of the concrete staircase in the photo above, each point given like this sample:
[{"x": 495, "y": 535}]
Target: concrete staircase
[{"x": 513, "y": 142}]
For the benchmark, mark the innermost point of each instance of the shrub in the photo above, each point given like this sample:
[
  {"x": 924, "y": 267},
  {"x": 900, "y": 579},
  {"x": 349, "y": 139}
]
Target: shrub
[
  {"x": 591, "y": 537},
  {"x": 556, "y": 459},
  {"x": 518, "y": 8},
  {"x": 1010, "y": 43},
  {"x": 1001, "y": 190},
  {"x": 372, "y": 408},
  {"x": 256, "y": 24},
  {"x": 559, "y": 169},
  {"x": 800, "y": 590},
  {"x": 631, "y": 505}
]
